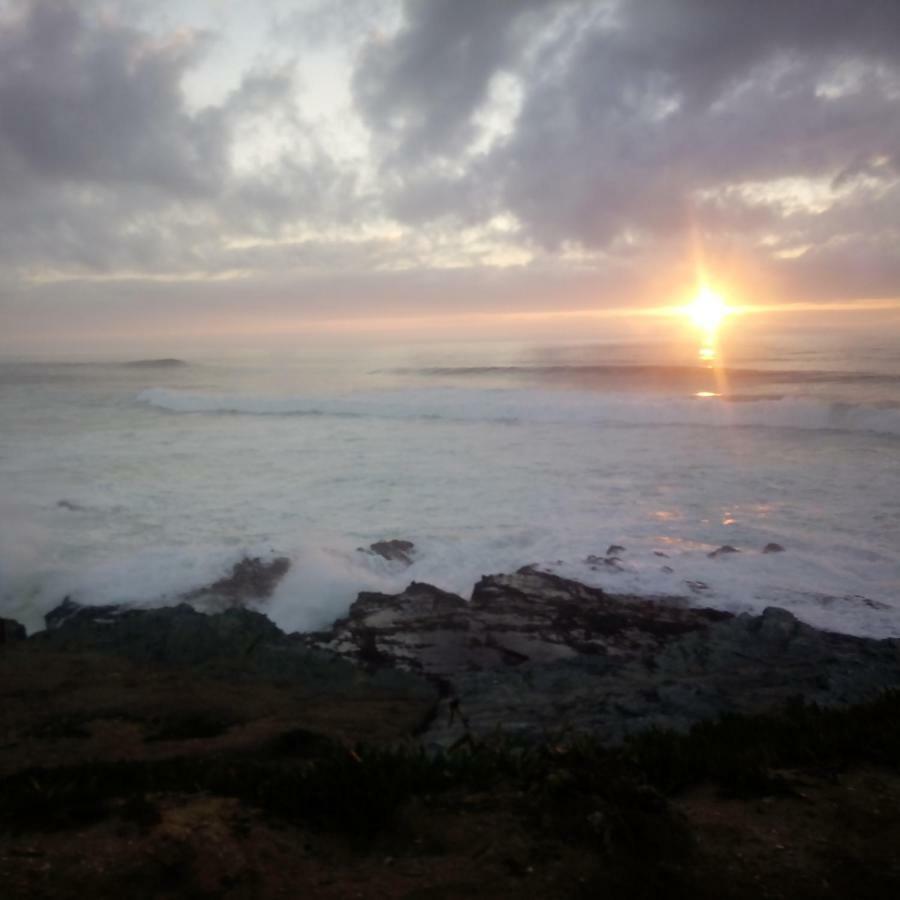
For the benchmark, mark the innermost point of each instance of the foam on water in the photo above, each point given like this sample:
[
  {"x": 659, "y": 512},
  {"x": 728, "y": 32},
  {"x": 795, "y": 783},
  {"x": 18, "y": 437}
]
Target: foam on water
[
  {"x": 113, "y": 490},
  {"x": 545, "y": 407}
]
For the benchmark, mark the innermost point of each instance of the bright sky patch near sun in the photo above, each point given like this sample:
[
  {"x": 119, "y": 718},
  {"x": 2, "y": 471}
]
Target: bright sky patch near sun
[{"x": 300, "y": 160}]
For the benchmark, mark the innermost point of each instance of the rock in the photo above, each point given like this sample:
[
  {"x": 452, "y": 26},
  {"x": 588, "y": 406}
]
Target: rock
[
  {"x": 723, "y": 551},
  {"x": 737, "y": 664},
  {"x": 72, "y": 507},
  {"x": 237, "y": 643},
  {"x": 422, "y": 629},
  {"x": 11, "y": 631},
  {"x": 533, "y": 653},
  {"x": 69, "y": 610},
  {"x": 773, "y": 548},
  {"x": 660, "y": 553},
  {"x": 531, "y": 616},
  {"x": 251, "y": 579},
  {"x": 394, "y": 550},
  {"x": 529, "y": 654},
  {"x": 614, "y": 549}
]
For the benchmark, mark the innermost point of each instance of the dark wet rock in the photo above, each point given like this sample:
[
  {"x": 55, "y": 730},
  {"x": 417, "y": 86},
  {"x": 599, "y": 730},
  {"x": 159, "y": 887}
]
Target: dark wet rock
[
  {"x": 250, "y": 579},
  {"x": 11, "y": 631},
  {"x": 660, "y": 553},
  {"x": 530, "y": 616},
  {"x": 529, "y": 653},
  {"x": 744, "y": 664},
  {"x": 614, "y": 549},
  {"x": 237, "y": 643},
  {"x": 533, "y": 653},
  {"x": 69, "y": 610},
  {"x": 667, "y": 569},
  {"x": 72, "y": 507},
  {"x": 773, "y": 548},
  {"x": 393, "y": 551},
  {"x": 422, "y": 629},
  {"x": 724, "y": 550},
  {"x": 697, "y": 586}
]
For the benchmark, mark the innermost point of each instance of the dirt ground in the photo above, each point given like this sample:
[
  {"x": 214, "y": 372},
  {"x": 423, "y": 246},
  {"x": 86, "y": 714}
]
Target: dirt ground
[{"x": 823, "y": 834}]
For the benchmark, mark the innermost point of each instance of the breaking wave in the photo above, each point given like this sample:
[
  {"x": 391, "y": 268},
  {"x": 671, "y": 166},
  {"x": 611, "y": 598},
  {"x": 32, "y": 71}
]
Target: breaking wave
[{"x": 544, "y": 407}]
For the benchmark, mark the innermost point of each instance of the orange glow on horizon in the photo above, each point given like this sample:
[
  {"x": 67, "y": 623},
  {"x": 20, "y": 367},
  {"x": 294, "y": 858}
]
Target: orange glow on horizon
[{"x": 274, "y": 325}]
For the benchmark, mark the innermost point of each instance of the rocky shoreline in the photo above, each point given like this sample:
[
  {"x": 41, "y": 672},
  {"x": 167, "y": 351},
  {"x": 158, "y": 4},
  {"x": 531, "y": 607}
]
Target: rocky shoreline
[
  {"x": 527, "y": 654},
  {"x": 533, "y": 654},
  {"x": 540, "y": 737}
]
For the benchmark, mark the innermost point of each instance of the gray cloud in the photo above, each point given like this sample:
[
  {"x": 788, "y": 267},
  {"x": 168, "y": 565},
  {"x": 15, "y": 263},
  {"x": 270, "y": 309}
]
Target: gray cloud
[
  {"x": 641, "y": 122},
  {"x": 104, "y": 166},
  {"x": 421, "y": 89},
  {"x": 770, "y": 128},
  {"x": 101, "y": 103}
]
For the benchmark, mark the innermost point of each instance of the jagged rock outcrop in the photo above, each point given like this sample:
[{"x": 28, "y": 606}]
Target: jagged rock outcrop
[
  {"x": 251, "y": 578},
  {"x": 533, "y": 653},
  {"x": 724, "y": 550},
  {"x": 529, "y": 653},
  {"x": 237, "y": 643},
  {"x": 529, "y": 617},
  {"x": 392, "y": 551}
]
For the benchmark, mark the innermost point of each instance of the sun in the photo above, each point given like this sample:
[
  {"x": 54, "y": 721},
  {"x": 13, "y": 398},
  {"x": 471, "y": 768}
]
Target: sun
[{"x": 707, "y": 309}]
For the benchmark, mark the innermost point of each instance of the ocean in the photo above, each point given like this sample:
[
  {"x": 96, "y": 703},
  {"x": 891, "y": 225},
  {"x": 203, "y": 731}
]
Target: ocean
[{"x": 138, "y": 482}]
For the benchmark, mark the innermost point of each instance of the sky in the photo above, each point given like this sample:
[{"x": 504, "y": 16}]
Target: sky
[{"x": 226, "y": 170}]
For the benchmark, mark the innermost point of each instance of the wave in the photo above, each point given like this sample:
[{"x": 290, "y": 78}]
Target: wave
[
  {"x": 655, "y": 374},
  {"x": 168, "y": 362},
  {"x": 543, "y": 407}
]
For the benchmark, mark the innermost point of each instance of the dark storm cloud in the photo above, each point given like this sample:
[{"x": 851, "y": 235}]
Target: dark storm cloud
[{"x": 639, "y": 118}]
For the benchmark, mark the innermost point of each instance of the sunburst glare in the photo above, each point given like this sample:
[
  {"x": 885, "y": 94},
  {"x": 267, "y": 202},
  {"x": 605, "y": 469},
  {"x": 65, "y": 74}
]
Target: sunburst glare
[{"x": 707, "y": 309}]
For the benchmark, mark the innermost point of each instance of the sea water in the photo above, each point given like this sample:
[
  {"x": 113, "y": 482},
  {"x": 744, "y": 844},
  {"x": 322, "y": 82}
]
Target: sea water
[{"x": 137, "y": 483}]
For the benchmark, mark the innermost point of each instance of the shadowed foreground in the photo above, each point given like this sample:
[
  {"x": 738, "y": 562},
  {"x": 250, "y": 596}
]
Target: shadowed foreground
[{"x": 140, "y": 779}]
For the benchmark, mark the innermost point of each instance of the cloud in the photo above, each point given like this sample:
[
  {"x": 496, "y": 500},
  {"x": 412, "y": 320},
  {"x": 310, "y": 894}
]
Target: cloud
[
  {"x": 419, "y": 90},
  {"x": 525, "y": 147},
  {"x": 104, "y": 165},
  {"x": 640, "y": 120},
  {"x": 99, "y": 103}
]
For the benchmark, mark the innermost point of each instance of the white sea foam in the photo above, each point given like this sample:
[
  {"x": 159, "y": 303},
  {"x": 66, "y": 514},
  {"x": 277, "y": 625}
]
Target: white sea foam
[
  {"x": 481, "y": 479},
  {"x": 544, "y": 407}
]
